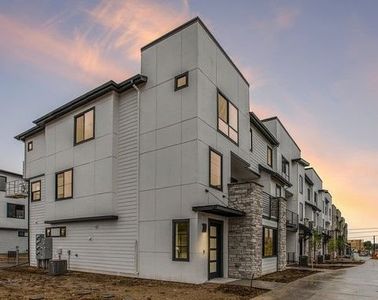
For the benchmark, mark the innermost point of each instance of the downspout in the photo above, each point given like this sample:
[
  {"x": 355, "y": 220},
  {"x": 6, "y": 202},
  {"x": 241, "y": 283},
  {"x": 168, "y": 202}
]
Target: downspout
[{"x": 137, "y": 181}]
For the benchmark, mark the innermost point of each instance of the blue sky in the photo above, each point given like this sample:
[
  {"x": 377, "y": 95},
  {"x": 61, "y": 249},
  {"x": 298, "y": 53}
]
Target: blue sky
[{"x": 312, "y": 63}]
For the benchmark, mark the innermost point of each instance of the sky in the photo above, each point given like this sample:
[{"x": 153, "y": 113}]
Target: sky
[{"x": 314, "y": 64}]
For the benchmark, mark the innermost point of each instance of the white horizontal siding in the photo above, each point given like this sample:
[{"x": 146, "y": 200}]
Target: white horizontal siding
[
  {"x": 269, "y": 265},
  {"x": 9, "y": 240}
]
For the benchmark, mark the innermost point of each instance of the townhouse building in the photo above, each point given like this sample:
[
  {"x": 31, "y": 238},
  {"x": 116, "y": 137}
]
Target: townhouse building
[
  {"x": 168, "y": 175},
  {"x": 13, "y": 213}
]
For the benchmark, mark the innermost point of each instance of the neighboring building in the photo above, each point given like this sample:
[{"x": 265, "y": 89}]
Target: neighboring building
[
  {"x": 167, "y": 175},
  {"x": 13, "y": 213},
  {"x": 356, "y": 245}
]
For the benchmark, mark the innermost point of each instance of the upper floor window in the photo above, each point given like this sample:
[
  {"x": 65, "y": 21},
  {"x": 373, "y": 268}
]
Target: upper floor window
[
  {"x": 251, "y": 132},
  {"x": 3, "y": 183},
  {"x": 301, "y": 184},
  {"x": 30, "y": 146},
  {"x": 84, "y": 126},
  {"x": 301, "y": 211},
  {"x": 285, "y": 168},
  {"x": 16, "y": 211},
  {"x": 228, "y": 118},
  {"x": 181, "y": 237},
  {"x": 315, "y": 198},
  {"x": 64, "y": 184},
  {"x": 278, "y": 191},
  {"x": 215, "y": 167},
  {"x": 181, "y": 81},
  {"x": 308, "y": 194},
  {"x": 36, "y": 191},
  {"x": 269, "y": 156},
  {"x": 269, "y": 242}
]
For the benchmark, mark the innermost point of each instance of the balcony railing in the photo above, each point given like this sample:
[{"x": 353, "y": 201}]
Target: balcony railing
[
  {"x": 270, "y": 207},
  {"x": 291, "y": 220},
  {"x": 309, "y": 224},
  {"x": 17, "y": 189}
]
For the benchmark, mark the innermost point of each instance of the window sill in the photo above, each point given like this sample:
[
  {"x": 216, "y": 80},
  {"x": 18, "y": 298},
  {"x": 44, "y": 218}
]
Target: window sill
[
  {"x": 227, "y": 137},
  {"x": 84, "y": 141}
]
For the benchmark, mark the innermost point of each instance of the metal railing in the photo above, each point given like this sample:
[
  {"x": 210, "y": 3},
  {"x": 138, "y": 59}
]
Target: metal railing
[
  {"x": 17, "y": 189},
  {"x": 270, "y": 207},
  {"x": 291, "y": 219}
]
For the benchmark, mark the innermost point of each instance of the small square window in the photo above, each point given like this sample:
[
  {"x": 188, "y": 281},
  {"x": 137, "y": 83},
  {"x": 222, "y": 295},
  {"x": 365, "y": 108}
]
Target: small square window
[
  {"x": 181, "y": 81},
  {"x": 30, "y": 146}
]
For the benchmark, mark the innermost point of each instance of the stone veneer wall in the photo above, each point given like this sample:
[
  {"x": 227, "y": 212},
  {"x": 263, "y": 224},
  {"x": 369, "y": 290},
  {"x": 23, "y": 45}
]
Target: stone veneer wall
[
  {"x": 281, "y": 259},
  {"x": 245, "y": 233}
]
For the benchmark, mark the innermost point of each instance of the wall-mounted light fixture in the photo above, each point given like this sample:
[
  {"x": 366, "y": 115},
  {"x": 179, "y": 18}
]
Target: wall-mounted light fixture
[{"x": 204, "y": 227}]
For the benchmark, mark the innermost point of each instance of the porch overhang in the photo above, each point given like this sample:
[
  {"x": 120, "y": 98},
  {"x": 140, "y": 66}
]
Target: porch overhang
[{"x": 219, "y": 210}]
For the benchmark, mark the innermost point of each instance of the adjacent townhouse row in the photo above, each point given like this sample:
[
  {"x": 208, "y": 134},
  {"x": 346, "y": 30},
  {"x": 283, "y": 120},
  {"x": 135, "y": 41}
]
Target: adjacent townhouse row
[{"x": 168, "y": 175}]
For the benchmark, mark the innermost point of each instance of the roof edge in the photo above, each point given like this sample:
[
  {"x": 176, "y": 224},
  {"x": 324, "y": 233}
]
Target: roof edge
[
  {"x": 254, "y": 119},
  {"x": 11, "y": 173}
]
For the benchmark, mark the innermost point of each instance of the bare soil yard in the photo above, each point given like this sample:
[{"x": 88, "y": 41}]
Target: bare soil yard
[
  {"x": 286, "y": 276},
  {"x": 32, "y": 283}
]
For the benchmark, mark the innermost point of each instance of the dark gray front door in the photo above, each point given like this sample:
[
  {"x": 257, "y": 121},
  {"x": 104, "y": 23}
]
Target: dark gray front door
[{"x": 215, "y": 249}]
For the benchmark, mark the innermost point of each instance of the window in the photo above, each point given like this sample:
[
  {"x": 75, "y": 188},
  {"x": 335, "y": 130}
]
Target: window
[
  {"x": 301, "y": 184},
  {"x": 64, "y": 185},
  {"x": 181, "y": 233},
  {"x": 228, "y": 118},
  {"x": 301, "y": 211},
  {"x": 3, "y": 183},
  {"x": 285, "y": 168},
  {"x": 22, "y": 233},
  {"x": 269, "y": 156},
  {"x": 278, "y": 191},
  {"x": 36, "y": 191},
  {"x": 16, "y": 211},
  {"x": 181, "y": 81},
  {"x": 30, "y": 146},
  {"x": 251, "y": 139},
  {"x": 84, "y": 126},
  {"x": 216, "y": 176},
  {"x": 308, "y": 194},
  {"x": 269, "y": 242},
  {"x": 316, "y": 198},
  {"x": 55, "y": 231}
]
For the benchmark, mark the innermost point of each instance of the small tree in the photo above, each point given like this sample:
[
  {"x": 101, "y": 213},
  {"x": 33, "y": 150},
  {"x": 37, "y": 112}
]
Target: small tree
[
  {"x": 332, "y": 247},
  {"x": 340, "y": 244},
  {"x": 315, "y": 243}
]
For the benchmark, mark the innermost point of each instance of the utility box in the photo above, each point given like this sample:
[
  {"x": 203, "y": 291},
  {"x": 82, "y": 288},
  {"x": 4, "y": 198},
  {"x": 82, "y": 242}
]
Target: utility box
[
  {"x": 303, "y": 261},
  {"x": 57, "y": 267},
  {"x": 43, "y": 247}
]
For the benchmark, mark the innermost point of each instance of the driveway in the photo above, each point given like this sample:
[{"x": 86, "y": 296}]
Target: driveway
[{"x": 360, "y": 282}]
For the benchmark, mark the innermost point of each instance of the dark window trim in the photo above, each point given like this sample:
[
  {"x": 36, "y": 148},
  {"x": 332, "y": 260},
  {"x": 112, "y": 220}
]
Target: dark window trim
[
  {"x": 301, "y": 212},
  {"x": 185, "y": 74},
  {"x": 278, "y": 188},
  {"x": 275, "y": 242},
  {"x": 60, "y": 231},
  {"x": 22, "y": 233},
  {"x": 174, "y": 222},
  {"x": 5, "y": 182},
  {"x": 251, "y": 137},
  {"x": 301, "y": 184},
  {"x": 269, "y": 149},
  {"x": 28, "y": 146},
  {"x": 8, "y": 204},
  {"x": 228, "y": 117},
  {"x": 56, "y": 184},
  {"x": 94, "y": 125},
  {"x": 31, "y": 191},
  {"x": 221, "y": 175}
]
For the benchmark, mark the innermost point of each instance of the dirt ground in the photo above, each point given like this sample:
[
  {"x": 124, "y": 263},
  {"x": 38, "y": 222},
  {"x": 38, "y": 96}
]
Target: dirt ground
[
  {"x": 286, "y": 276},
  {"x": 32, "y": 283}
]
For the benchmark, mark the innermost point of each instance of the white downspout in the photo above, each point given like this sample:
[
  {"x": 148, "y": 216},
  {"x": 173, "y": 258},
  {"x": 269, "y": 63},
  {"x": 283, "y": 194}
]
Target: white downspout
[{"x": 137, "y": 184}]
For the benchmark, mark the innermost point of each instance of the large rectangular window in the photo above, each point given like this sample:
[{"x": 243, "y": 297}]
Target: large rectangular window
[
  {"x": 215, "y": 169},
  {"x": 3, "y": 183},
  {"x": 181, "y": 236},
  {"x": 64, "y": 184},
  {"x": 35, "y": 191},
  {"x": 269, "y": 156},
  {"x": 308, "y": 194},
  {"x": 228, "y": 118},
  {"x": 16, "y": 211},
  {"x": 269, "y": 242},
  {"x": 301, "y": 184},
  {"x": 301, "y": 211},
  {"x": 55, "y": 231},
  {"x": 84, "y": 126},
  {"x": 285, "y": 168}
]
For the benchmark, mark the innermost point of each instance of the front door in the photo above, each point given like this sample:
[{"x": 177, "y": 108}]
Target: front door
[{"x": 215, "y": 249}]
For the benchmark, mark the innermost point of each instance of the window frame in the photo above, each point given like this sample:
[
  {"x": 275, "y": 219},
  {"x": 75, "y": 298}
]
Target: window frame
[
  {"x": 186, "y": 75},
  {"x": 285, "y": 166},
  {"x": 32, "y": 199},
  {"x": 309, "y": 194},
  {"x": 5, "y": 183},
  {"x": 301, "y": 184},
  {"x": 301, "y": 212},
  {"x": 75, "y": 126},
  {"x": 174, "y": 222},
  {"x": 61, "y": 229},
  {"x": 278, "y": 188},
  {"x": 228, "y": 118},
  {"x": 275, "y": 242},
  {"x": 15, "y": 217},
  {"x": 22, "y": 233},
  {"x": 56, "y": 184},
  {"x": 221, "y": 169},
  {"x": 30, "y": 143},
  {"x": 269, "y": 150},
  {"x": 251, "y": 139}
]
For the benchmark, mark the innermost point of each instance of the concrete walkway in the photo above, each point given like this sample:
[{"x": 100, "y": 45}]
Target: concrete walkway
[{"x": 360, "y": 282}]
